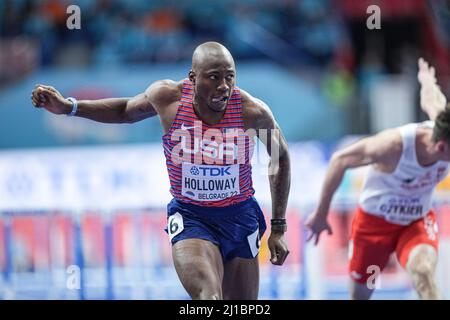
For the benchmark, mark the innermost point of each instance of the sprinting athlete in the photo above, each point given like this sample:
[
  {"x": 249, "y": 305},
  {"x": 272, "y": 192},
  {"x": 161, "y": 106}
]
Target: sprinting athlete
[
  {"x": 394, "y": 212},
  {"x": 214, "y": 222}
]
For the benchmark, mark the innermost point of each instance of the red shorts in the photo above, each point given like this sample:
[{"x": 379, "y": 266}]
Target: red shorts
[{"x": 373, "y": 239}]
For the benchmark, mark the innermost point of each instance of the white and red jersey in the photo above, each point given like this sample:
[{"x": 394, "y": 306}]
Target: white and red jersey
[{"x": 403, "y": 196}]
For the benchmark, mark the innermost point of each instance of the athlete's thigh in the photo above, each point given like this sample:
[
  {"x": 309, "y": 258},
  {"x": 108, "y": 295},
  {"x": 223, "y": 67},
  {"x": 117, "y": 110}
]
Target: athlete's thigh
[
  {"x": 199, "y": 266},
  {"x": 367, "y": 256},
  {"x": 419, "y": 238},
  {"x": 371, "y": 243},
  {"x": 241, "y": 279}
]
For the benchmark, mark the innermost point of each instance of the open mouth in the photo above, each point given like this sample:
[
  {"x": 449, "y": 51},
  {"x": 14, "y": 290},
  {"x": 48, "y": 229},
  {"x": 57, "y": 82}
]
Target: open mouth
[{"x": 219, "y": 99}]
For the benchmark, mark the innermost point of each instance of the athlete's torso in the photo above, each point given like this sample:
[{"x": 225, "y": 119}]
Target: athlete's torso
[
  {"x": 209, "y": 165},
  {"x": 404, "y": 195}
]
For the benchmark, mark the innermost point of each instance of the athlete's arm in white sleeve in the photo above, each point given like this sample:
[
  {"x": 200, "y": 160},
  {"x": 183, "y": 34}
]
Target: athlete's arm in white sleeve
[{"x": 432, "y": 100}]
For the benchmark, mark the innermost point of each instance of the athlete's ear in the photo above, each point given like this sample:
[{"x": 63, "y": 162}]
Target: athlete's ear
[
  {"x": 192, "y": 76},
  {"x": 446, "y": 146},
  {"x": 442, "y": 146}
]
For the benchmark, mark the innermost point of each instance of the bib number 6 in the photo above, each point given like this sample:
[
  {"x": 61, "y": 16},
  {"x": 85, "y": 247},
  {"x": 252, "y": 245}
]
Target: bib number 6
[{"x": 175, "y": 225}]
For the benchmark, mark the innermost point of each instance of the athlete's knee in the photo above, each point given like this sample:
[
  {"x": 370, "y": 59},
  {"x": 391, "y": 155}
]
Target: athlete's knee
[
  {"x": 422, "y": 266},
  {"x": 422, "y": 273},
  {"x": 206, "y": 294},
  {"x": 422, "y": 262},
  {"x": 422, "y": 269},
  {"x": 207, "y": 290}
]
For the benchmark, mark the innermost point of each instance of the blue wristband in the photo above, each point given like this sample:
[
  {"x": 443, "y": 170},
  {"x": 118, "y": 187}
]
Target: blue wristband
[{"x": 74, "y": 106}]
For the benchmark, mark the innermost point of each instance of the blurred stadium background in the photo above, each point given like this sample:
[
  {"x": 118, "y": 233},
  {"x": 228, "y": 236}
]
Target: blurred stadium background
[{"x": 88, "y": 199}]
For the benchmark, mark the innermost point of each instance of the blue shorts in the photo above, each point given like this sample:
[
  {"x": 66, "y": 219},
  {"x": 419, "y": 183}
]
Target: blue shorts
[{"x": 235, "y": 229}]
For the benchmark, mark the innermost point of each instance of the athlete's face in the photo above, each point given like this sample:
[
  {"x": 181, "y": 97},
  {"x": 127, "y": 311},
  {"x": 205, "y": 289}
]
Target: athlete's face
[{"x": 214, "y": 80}]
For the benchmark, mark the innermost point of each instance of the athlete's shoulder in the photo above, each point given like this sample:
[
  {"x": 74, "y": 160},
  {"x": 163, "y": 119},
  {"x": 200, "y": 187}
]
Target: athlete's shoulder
[
  {"x": 164, "y": 92},
  {"x": 386, "y": 147},
  {"x": 410, "y": 130},
  {"x": 254, "y": 108},
  {"x": 428, "y": 124},
  {"x": 389, "y": 138},
  {"x": 413, "y": 126}
]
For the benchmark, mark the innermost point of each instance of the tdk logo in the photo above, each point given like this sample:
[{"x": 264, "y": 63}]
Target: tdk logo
[
  {"x": 194, "y": 171},
  {"x": 214, "y": 171}
]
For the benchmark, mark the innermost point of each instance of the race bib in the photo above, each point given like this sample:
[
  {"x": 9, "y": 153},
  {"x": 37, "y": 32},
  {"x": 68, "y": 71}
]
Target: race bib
[
  {"x": 254, "y": 242},
  {"x": 175, "y": 225},
  {"x": 402, "y": 210},
  {"x": 209, "y": 182}
]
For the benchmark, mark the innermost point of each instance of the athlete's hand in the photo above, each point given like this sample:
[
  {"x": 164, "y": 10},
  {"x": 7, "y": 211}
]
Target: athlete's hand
[
  {"x": 430, "y": 93},
  {"x": 278, "y": 248},
  {"x": 316, "y": 224},
  {"x": 426, "y": 73},
  {"x": 50, "y": 99}
]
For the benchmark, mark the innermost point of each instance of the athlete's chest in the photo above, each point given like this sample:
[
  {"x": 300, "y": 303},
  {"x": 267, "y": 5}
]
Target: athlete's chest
[
  {"x": 195, "y": 142},
  {"x": 410, "y": 177}
]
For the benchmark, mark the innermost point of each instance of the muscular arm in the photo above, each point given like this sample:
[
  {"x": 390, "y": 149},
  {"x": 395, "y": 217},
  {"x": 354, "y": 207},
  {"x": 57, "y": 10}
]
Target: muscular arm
[
  {"x": 372, "y": 150},
  {"x": 117, "y": 110},
  {"x": 112, "y": 110},
  {"x": 382, "y": 150},
  {"x": 257, "y": 116},
  {"x": 432, "y": 100},
  {"x": 279, "y": 168}
]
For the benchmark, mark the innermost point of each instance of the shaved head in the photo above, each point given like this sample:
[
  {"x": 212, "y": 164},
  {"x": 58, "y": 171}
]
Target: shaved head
[
  {"x": 213, "y": 76},
  {"x": 209, "y": 52}
]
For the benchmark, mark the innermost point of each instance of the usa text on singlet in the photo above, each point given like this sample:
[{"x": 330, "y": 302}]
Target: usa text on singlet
[{"x": 209, "y": 165}]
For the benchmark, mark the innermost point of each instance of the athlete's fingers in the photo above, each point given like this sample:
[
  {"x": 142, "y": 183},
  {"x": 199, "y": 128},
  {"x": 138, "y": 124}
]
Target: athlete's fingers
[
  {"x": 284, "y": 256},
  {"x": 43, "y": 97},
  {"x": 35, "y": 101},
  {"x": 279, "y": 257},
  {"x": 317, "y": 238},
  {"x": 47, "y": 91},
  {"x": 433, "y": 72},
  {"x": 274, "y": 260},
  {"x": 273, "y": 257},
  {"x": 330, "y": 231},
  {"x": 40, "y": 89},
  {"x": 50, "y": 88},
  {"x": 35, "y": 94},
  {"x": 311, "y": 234},
  {"x": 421, "y": 64}
]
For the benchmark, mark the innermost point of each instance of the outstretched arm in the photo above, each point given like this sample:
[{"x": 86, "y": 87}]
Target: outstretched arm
[
  {"x": 432, "y": 100},
  {"x": 380, "y": 148},
  {"x": 113, "y": 110},
  {"x": 260, "y": 118}
]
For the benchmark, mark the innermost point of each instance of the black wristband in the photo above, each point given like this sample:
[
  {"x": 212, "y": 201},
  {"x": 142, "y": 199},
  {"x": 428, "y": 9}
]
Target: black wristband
[
  {"x": 278, "y": 222},
  {"x": 279, "y": 228},
  {"x": 278, "y": 225}
]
